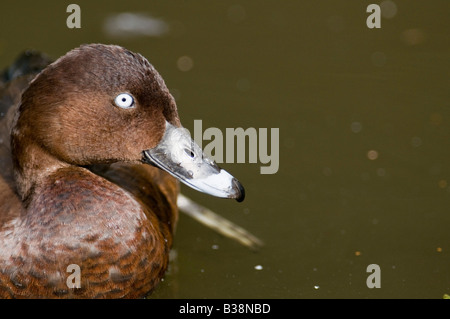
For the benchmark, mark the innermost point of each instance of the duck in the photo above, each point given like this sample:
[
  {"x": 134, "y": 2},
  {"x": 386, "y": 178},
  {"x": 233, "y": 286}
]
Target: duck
[{"x": 92, "y": 153}]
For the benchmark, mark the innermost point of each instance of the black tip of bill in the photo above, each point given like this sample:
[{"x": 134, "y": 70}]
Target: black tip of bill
[{"x": 240, "y": 190}]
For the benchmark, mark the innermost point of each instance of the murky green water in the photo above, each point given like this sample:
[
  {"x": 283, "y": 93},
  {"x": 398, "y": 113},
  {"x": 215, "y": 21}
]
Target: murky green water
[{"x": 364, "y": 121}]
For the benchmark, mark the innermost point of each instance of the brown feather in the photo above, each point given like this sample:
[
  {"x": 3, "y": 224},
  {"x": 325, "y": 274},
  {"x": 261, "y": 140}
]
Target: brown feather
[{"x": 72, "y": 187}]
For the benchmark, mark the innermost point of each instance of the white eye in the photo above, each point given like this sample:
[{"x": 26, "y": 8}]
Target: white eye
[{"x": 124, "y": 100}]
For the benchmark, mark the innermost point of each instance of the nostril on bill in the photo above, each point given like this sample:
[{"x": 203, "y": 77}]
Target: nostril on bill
[{"x": 189, "y": 153}]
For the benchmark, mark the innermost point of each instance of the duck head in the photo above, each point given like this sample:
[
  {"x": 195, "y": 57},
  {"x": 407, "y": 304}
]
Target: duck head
[{"x": 103, "y": 104}]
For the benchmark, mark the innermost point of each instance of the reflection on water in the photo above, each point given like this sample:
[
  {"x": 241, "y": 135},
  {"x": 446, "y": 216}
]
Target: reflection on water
[
  {"x": 127, "y": 24},
  {"x": 364, "y": 122}
]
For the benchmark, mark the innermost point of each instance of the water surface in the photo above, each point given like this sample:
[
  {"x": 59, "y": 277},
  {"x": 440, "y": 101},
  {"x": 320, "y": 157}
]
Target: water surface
[{"x": 364, "y": 121}]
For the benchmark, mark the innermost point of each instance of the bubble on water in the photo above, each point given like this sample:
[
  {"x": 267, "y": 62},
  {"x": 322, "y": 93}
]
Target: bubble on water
[
  {"x": 356, "y": 127},
  {"x": 442, "y": 183},
  {"x": 372, "y": 155},
  {"x": 258, "y": 267},
  {"x": 388, "y": 9},
  {"x": 416, "y": 141},
  {"x": 185, "y": 63},
  {"x": 381, "y": 172}
]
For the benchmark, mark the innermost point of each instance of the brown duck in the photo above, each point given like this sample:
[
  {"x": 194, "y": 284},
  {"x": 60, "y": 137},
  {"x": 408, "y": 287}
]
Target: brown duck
[{"x": 76, "y": 187}]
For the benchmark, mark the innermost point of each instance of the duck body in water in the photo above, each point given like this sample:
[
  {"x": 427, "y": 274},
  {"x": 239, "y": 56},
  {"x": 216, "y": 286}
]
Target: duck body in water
[{"x": 91, "y": 152}]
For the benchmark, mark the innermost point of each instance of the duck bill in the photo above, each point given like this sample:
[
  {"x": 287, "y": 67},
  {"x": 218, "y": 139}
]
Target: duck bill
[{"x": 179, "y": 155}]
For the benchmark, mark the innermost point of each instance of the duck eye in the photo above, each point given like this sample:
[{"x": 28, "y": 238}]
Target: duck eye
[{"x": 124, "y": 100}]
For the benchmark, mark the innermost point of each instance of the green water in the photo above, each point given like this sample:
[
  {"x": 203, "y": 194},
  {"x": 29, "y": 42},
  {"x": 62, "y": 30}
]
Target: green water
[{"x": 364, "y": 122}]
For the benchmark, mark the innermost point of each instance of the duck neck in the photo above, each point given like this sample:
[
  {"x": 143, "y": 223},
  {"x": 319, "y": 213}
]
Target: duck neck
[{"x": 32, "y": 164}]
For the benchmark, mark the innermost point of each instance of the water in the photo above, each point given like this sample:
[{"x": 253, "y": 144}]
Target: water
[{"x": 364, "y": 125}]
